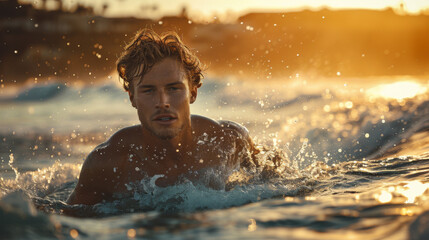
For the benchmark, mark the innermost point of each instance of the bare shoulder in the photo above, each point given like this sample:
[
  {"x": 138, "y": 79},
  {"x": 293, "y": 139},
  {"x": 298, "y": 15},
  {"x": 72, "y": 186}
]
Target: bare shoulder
[
  {"x": 99, "y": 167},
  {"x": 245, "y": 148},
  {"x": 206, "y": 123},
  {"x": 118, "y": 144},
  {"x": 113, "y": 150},
  {"x": 124, "y": 137},
  {"x": 238, "y": 132},
  {"x": 201, "y": 122},
  {"x": 238, "y": 128}
]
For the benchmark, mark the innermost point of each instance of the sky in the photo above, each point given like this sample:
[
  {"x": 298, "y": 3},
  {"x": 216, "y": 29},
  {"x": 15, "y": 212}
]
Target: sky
[{"x": 205, "y": 9}]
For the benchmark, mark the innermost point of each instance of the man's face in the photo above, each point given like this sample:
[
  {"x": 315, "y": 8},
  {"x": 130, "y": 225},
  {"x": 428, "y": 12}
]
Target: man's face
[{"x": 162, "y": 98}]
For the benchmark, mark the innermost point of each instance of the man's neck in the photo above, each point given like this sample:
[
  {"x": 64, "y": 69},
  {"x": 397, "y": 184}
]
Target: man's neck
[{"x": 173, "y": 148}]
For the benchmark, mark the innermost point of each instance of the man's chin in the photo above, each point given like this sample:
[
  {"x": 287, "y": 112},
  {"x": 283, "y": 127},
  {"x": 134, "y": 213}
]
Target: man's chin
[{"x": 166, "y": 134}]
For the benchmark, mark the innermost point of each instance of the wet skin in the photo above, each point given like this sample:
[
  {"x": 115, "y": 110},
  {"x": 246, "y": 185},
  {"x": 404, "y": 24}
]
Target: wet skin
[{"x": 169, "y": 141}]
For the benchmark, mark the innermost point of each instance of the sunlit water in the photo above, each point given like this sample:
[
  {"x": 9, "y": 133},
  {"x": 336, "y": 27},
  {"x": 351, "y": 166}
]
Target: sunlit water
[{"x": 338, "y": 161}]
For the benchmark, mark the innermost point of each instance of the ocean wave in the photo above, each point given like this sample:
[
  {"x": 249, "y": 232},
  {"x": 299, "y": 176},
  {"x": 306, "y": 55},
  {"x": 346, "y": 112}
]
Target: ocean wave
[{"x": 38, "y": 93}]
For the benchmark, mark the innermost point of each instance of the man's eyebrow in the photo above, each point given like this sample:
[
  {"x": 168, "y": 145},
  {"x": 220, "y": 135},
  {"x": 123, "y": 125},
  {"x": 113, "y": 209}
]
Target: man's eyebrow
[
  {"x": 169, "y": 84},
  {"x": 146, "y": 86},
  {"x": 174, "y": 83}
]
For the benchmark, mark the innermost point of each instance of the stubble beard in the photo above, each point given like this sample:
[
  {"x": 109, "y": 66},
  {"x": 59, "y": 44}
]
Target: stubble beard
[{"x": 164, "y": 134}]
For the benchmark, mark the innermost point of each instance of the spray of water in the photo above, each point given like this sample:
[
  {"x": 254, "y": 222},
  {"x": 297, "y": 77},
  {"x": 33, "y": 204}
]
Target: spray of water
[{"x": 11, "y": 160}]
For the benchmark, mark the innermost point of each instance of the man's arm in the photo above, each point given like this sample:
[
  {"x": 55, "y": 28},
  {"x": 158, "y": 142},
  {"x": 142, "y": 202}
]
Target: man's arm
[
  {"x": 101, "y": 172},
  {"x": 244, "y": 144},
  {"x": 91, "y": 188}
]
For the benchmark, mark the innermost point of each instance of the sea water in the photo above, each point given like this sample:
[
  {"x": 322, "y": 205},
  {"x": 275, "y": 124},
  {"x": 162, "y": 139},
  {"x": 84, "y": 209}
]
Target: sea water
[{"x": 343, "y": 159}]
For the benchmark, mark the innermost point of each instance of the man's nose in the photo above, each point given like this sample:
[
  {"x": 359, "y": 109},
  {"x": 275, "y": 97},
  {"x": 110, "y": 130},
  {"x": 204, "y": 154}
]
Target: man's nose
[{"x": 163, "y": 101}]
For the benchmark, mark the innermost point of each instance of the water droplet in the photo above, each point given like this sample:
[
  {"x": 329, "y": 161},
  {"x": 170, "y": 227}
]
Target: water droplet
[
  {"x": 74, "y": 233},
  {"x": 131, "y": 233}
]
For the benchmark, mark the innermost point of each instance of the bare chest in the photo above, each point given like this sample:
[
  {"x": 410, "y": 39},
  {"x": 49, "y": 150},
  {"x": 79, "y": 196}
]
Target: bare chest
[{"x": 171, "y": 169}]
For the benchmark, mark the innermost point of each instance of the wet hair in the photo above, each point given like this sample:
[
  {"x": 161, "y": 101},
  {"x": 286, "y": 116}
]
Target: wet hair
[{"x": 148, "y": 48}]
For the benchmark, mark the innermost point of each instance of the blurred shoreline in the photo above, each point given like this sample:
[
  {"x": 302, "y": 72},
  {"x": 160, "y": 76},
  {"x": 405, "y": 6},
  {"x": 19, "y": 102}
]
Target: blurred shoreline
[{"x": 39, "y": 45}]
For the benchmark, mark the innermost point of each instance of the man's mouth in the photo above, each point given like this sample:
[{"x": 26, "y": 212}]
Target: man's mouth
[{"x": 164, "y": 118}]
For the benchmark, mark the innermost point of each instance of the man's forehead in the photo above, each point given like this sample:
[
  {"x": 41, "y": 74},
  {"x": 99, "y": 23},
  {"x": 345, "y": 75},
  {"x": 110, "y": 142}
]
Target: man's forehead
[{"x": 165, "y": 71}]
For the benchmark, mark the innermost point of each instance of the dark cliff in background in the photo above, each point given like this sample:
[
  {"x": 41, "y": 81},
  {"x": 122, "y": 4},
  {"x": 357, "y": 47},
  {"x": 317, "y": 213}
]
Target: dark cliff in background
[{"x": 78, "y": 45}]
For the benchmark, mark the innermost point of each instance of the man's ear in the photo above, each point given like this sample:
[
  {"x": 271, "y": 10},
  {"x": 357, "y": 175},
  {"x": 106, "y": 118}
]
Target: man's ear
[
  {"x": 131, "y": 95},
  {"x": 194, "y": 93}
]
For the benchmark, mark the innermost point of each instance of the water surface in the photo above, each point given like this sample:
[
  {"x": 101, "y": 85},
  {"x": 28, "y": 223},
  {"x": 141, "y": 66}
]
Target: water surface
[{"x": 338, "y": 161}]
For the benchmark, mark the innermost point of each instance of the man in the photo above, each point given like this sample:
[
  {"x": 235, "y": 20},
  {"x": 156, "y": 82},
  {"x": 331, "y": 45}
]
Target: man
[{"x": 162, "y": 77}]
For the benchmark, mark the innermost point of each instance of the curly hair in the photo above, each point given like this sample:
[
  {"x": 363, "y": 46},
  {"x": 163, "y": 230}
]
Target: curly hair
[{"x": 148, "y": 48}]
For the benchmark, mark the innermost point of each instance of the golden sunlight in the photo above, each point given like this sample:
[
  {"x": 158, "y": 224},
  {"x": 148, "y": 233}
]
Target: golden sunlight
[
  {"x": 131, "y": 233},
  {"x": 384, "y": 197},
  {"x": 252, "y": 226},
  {"x": 201, "y": 9},
  {"x": 397, "y": 90},
  {"x": 74, "y": 233},
  {"x": 413, "y": 190}
]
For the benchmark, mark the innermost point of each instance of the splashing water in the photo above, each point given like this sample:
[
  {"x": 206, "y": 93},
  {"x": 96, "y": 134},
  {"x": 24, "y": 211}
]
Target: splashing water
[
  {"x": 333, "y": 163},
  {"x": 11, "y": 158}
]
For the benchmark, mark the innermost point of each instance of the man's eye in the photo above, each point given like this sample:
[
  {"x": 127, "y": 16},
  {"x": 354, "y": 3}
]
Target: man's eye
[
  {"x": 147, "y": 90},
  {"x": 173, "y": 88}
]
